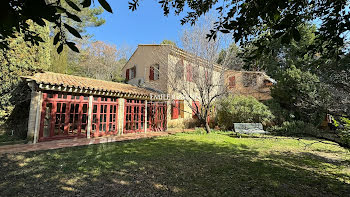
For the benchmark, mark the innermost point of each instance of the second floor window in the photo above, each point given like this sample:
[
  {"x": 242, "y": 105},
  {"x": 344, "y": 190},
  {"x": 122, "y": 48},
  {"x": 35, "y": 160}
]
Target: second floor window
[
  {"x": 249, "y": 79},
  {"x": 232, "y": 82},
  {"x": 154, "y": 72},
  {"x": 179, "y": 69},
  {"x": 130, "y": 73},
  {"x": 189, "y": 73}
]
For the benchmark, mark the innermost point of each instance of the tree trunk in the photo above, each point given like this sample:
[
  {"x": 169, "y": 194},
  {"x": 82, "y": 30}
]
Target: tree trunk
[{"x": 207, "y": 128}]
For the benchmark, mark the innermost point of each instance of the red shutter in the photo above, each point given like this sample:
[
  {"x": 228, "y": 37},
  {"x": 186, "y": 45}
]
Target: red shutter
[
  {"x": 232, "y": 82},
  {"x": 151, "y": 73},
  {"x": 127, "y": 74},
  {"x": 175, "y": 109},
  {"x": 194, "y": 108},
  {"x": 189, "y": 73}
]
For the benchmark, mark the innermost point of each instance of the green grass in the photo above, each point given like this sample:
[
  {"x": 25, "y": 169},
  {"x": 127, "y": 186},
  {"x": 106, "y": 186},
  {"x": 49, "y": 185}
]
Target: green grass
[{"x": 184, "y": 164}]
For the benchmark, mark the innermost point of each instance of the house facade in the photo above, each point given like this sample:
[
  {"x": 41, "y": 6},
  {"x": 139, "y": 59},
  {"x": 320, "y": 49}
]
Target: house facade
[{"x": 165, "y": 68}]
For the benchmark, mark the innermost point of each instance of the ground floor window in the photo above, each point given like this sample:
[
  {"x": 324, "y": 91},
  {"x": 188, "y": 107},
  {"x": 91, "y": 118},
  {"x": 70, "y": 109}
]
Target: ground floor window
[
  {"x": 104, "y": 116},
  {"x": 134, "y": 116},
  {"x": 63, "y": 115},
  {"x": 66, "y": 115},
  {"x": 156, "y": 116}
]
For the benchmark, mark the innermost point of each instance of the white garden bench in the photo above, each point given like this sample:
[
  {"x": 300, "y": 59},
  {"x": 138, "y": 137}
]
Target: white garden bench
[{"x": 249, "y": 128}]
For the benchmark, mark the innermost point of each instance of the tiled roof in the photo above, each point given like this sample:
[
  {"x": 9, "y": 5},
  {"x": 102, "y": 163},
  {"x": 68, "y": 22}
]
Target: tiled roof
[{"x": 70, "y": 81}]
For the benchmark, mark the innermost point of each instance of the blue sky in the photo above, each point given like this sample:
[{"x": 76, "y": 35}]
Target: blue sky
[{"x": 146, "y": 25}]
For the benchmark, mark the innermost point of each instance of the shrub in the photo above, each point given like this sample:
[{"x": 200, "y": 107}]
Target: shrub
[
  {"x": 295, "y": 128},
  {"x": 344, "y": 132},
  {"x": 241, "y": 109},
  {"x": 302, "y": 93},
  {"x": 280, "y": 114}
]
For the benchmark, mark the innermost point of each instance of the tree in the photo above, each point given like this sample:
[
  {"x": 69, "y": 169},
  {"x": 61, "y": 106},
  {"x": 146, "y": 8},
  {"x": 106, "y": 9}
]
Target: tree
[
  {"x": 301, "y": 93},
  {"x": 100, "y": 60},
  {"x": 59, "y": 62},
  {"x": 14, "y": 15},
  {"x": 21, "y": 59},
  {"x": 231, "y": 54},
  {"x": 244, "y": 19},
  {"x": 281, "y": 56},
  {"x": 331, "y": 72},
  {"x": 248, "y": 19},
  {"x": 66, "y": 61}
]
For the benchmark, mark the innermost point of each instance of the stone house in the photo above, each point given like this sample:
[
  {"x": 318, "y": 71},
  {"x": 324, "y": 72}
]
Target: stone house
[
  {"x": 155, "y": 66},
  {"x": 65, "y": 106}
]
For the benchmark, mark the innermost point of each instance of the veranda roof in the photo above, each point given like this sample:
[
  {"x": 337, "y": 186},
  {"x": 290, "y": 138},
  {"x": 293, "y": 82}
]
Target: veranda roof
[{"x": 70, "y": 83}]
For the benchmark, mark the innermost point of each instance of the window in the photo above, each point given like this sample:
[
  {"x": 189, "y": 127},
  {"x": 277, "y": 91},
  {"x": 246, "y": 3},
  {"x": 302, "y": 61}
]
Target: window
[
  {"x": 154, "y": 72},
  {"x": 195, "y": 73},
  {"x": 232, "y": 82},
  {"x": 133, "y": 72},
  {"x": 249, "y": 79},
  {"x": 179, "y": 68},
  {"x": 189, "y": 73},
  {"x": 130, "y": 73}
]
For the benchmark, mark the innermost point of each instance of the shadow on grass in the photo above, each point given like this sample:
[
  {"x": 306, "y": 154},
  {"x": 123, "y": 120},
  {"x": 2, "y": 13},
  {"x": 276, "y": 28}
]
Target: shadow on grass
[{"x": 169, "y": 166}]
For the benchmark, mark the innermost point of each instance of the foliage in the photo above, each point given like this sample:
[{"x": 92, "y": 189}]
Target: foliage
[
  {"x": 281, "y": 57},
  {"x": 90, "y": 16},
  {"x": 16, "y": 13},
  {"x": 230, "y": 57},
  {"x": 242, "y": 109},
  {"x": 346, "y": 123},
  {"x": 344, "y": 131},
  {"x": 301, "y": 93},
  {"x": 268, "y": 19},
  {"x": 21, "y": 59},
  {"x": 245, "y": 19},
  {"x": 168, "y": 42},
  {"x": 67, "y": 61},
  {"x": 280, "y": 114},
  {"x": 100, "y": 60},
  {"x": 59, "y": 62},
  {"x": 295, "y": 128}
]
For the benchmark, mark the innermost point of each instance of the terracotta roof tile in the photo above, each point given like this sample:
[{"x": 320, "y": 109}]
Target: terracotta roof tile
[{"x": 86, "y": 83}]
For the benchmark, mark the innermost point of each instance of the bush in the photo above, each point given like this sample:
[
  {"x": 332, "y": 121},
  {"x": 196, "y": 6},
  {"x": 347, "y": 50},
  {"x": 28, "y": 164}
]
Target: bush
[
  {"x": 295, "y": 128},
  {"x": 302, "y": 93},
  {"x": 344, "y": 132},
  {"x": 281, "y": 114},
  {"x": 241, "y": 109}
]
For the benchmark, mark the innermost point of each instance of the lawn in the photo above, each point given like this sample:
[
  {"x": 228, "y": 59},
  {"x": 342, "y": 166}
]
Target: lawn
[{"x": 185, "y": 164}]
